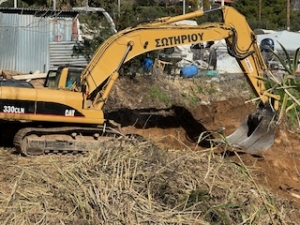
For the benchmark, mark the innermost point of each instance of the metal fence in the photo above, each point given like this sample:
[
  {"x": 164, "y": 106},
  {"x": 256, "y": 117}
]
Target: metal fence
[{"x": 29, "y": 42}]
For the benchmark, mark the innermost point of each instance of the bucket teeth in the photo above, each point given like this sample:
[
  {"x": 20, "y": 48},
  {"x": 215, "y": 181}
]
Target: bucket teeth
[{"x": 256, "y": 133}]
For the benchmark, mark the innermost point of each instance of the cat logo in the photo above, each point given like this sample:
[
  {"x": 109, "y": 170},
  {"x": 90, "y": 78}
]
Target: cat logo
[{"x": 69, "y": 112}]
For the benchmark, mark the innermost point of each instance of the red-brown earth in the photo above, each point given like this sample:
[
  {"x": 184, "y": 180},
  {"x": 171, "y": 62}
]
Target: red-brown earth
[{"x": 171, "y": 112}]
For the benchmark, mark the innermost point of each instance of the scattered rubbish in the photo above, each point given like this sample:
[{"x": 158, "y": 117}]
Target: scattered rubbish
[
  {"x": 209, "y": 73},
  {"x": 147, "y": 64},
  {"x": 189, "y": 71}
]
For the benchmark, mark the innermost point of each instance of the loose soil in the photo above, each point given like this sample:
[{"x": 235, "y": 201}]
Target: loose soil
[{"x": 172, "y": 112}]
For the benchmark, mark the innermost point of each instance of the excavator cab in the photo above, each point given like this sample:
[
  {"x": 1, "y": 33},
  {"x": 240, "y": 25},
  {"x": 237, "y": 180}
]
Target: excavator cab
[{"x": 65, "y": 77}]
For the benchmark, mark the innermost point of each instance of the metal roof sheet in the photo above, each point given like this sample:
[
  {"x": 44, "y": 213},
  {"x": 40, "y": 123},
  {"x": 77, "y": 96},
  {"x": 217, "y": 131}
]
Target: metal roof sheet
[{"x": 40, "y": 12}]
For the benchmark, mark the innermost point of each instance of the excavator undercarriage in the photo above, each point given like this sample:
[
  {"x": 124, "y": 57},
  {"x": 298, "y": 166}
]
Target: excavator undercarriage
[{"x": 73, "y": 140}]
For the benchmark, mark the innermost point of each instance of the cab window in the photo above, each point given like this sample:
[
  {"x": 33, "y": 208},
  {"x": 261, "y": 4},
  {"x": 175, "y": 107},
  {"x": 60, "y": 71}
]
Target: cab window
[
  {"x": 73, "y": 79},
  {"x": 52, "y": 79}
]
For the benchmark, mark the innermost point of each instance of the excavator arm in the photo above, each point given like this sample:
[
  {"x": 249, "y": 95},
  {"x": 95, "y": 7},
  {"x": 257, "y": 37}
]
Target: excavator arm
[
  {"x": 257, "y": 131},
  {"x": 163, "y": 33}
]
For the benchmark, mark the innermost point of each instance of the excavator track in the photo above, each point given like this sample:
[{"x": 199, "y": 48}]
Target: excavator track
[{"x": 71, "y": 140}]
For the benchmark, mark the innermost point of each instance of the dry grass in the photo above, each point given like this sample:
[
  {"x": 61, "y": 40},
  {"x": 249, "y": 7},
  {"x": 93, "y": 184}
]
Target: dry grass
[{"x": 135, "y": 184}]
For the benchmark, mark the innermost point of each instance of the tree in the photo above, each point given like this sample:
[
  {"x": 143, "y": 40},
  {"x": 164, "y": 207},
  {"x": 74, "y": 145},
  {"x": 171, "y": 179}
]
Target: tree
[
  {"x": 272, "y": 14},
  {"x": 145, "y": 2},
  {"x": 206, "y": 4}
]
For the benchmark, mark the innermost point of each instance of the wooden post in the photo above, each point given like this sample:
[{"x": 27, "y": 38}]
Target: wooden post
[
  {"x": 288, "y": 12},
  {"x": 259, "y": 10}
]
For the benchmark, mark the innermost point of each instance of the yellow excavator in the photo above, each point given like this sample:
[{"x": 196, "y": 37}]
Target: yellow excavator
[{"x": 79, "y": 104}]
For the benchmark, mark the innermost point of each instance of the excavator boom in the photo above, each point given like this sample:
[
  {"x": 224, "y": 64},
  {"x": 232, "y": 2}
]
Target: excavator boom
[
  {"x": 257, "y": 131},
  {"x": 163, "y": 33}
]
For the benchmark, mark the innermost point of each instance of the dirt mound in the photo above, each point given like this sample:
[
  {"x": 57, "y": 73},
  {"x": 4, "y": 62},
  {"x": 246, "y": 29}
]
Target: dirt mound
[{"x": 173, "y": 112}]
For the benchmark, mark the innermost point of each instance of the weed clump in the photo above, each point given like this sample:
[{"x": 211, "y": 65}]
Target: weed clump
[{"x": 134, "y": 184}]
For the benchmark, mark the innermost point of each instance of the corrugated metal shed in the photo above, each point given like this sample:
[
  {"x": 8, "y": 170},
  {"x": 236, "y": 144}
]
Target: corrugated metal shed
[
  {"x": 33, "y": 40},
  {"x": 62, "y": 53}
]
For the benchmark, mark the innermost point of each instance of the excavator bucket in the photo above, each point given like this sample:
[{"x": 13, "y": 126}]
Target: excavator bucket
[{"x": 256, "y": 133}]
